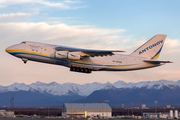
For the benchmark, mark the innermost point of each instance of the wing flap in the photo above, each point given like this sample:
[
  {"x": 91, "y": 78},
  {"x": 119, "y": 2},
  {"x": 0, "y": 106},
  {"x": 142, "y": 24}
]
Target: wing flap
[{"x": 88, "y": 52}]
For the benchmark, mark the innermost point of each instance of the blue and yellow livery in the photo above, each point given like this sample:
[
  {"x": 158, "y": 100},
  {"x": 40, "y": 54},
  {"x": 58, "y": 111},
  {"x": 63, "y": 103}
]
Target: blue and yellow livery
[{"x": 86, "y": 60}]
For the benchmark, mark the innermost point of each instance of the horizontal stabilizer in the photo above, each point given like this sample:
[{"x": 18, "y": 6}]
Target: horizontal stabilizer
[{"x": 156, "y": 61}]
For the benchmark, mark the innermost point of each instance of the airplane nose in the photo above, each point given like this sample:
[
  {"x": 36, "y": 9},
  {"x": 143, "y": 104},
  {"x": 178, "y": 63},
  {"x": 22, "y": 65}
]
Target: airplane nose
[{"x": 9, "y": 48}]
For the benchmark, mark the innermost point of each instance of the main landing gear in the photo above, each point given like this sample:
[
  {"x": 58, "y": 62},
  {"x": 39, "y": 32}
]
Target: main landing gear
[{"x": 78, "y": 69}]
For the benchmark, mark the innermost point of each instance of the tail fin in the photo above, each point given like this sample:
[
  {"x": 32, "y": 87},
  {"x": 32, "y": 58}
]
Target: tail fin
[{"x": 152, "y": 48}]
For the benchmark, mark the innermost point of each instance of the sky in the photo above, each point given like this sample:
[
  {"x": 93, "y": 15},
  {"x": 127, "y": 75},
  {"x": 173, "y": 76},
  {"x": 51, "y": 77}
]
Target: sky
[{"x": 92, "y": 24}]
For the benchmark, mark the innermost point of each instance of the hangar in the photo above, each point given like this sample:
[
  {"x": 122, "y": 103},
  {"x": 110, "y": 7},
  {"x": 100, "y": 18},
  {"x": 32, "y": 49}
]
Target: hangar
[
  {"x": 86, "y": 109},
  {"x": 4, "y": 113}
]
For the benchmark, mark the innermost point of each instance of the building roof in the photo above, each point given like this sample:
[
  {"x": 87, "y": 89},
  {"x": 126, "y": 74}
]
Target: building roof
[{"x": 87, "y": 105}]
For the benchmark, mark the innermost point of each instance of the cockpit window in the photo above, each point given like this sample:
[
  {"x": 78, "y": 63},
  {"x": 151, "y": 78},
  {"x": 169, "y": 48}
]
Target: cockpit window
[{"x": 24, "y": 42}]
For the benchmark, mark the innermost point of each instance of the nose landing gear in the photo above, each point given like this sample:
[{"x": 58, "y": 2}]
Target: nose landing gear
[{"x": 24, "y": 60}]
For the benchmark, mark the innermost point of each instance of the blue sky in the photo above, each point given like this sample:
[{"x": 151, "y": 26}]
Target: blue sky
[
  {"x": 139, "y": 17},
  {"x": 95, "y": 24}
]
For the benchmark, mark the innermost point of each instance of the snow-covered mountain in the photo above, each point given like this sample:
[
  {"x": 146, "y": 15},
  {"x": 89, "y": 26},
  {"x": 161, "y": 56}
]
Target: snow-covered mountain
[
  {"x": 54, "y": 88},
  {"x": 85, "y": 89},
  {"x": 148, "y": 84}
]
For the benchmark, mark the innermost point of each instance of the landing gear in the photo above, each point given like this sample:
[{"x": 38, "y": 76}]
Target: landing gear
[
  {"x": 78, "y": 69},
  {"x": 88, "y": 70},
  {"x": 82, "y": 70},
  {"x": 73, "y": 69},
  {"x": 24, "y": 60}
]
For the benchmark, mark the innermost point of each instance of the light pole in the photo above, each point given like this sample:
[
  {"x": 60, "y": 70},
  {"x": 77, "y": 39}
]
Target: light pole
[
  {"x": 132, "y": 107},
  {"x": 84, "y": 111},
  {"x": 141, "y": 109},
  {"x": 8, "y": 105},
  {"x": 156, "y": 107},
  {"x": 107, "y": 107},
  {"x": 102, "y": 110},
  {"x": 48, "y": 110},
  {"x": 128, "y": 109},
  {"x": 13, "y": 102}
]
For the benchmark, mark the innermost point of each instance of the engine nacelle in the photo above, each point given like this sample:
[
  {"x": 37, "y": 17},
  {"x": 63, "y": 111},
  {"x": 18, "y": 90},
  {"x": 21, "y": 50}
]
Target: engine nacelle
[
  {"x": 61, "y": 54},
  {"x": 74, "y": 56},
  {"x": 67, "y": 55}
]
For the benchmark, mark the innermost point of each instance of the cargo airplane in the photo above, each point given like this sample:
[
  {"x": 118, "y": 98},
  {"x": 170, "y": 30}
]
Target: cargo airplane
[{"x": 86, "y": 60}]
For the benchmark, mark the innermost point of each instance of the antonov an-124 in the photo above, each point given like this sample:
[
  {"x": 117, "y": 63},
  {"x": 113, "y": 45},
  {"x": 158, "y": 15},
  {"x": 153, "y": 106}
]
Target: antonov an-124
[{"x": 86, "y": 60}]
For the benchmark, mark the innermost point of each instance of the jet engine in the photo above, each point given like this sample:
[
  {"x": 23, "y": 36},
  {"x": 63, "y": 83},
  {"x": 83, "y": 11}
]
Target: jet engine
[
  {"x": 61, "y": 54},
  {"x": 67, "y": 55},
  {"x": 74, "y": 56}
]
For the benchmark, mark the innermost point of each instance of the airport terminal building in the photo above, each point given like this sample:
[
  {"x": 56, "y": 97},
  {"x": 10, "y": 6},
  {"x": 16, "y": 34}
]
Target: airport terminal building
[{"x": 86, "y": 109}]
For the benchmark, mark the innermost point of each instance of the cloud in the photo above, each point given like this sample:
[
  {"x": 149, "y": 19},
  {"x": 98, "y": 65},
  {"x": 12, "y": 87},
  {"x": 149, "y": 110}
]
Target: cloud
[
  {"x": 16, "y": 17},
  {"x": 62, "y": 34},
  {"x": 171, "y": 46},
  {"x": 59, "y": 34},
  {"x": 14, "y": 29},
  {"x": 76, "y": 36},
  {"x": 72, "y": 1},
  {"x": 67, "y": 4}
]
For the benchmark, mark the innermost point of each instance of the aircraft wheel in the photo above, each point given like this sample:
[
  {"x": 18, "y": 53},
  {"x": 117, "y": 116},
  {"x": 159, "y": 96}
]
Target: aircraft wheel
[
  {"x": 82, "y": 70},
  {"x": 78, "y": 69},
  {"x": 89, "y": 71},
  {"x": 24, "y": 60},
  {"x": 73, "y": 68},
  {"x": 86, "y": 70}
]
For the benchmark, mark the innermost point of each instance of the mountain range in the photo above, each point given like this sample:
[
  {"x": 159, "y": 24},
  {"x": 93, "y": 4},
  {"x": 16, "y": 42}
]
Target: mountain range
[{"x": 41, "y": 94}]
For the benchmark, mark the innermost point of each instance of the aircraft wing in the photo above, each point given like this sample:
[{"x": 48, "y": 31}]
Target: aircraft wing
[
  {"x": 88, "y": 52},
  {"x": 156, "y": 61}
]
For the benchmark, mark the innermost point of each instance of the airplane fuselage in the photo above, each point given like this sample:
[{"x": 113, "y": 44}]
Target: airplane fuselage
[{"x": 41, "y": 52}]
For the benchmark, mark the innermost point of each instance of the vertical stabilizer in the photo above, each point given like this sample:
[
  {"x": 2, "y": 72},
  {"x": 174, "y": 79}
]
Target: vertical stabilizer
[{"x": 152, "y": 48}]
